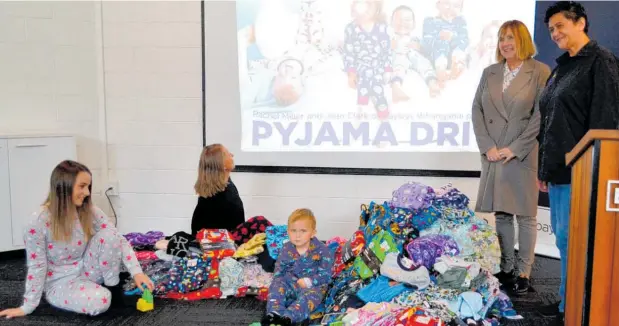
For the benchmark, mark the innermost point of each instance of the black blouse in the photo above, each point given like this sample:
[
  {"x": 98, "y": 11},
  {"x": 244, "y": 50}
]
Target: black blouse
[
  {"x": 582, "y": 93},
  {"x": 224, "y": 210}
]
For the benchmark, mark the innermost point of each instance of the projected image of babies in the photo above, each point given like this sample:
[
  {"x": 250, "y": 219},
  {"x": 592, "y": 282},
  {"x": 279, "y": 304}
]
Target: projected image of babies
[
  {"x": 483, "y": 53},
  {"x": 445, "y": 39},
  {"x": 311, "y": 28},
  {"x": 288, "y": 85},
  {"x": 367, "y": 55},
  {"x": 407, "y": 54}
]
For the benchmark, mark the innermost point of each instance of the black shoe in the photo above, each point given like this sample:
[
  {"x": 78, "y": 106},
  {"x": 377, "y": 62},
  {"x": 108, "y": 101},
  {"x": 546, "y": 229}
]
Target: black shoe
[
  {"x": 506, "y": 279},
  {"x": 551, "y": 310},
  {"x": 284, "y": 321},
  {"x": 268, "y": 319},
  {"x": 522, "y": 286},
  {"x": 273, "y": 318}
]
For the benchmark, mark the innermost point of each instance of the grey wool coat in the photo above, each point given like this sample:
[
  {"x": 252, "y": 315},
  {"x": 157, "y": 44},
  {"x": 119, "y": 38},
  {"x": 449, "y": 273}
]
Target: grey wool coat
[{"x": 509, "y": 119}]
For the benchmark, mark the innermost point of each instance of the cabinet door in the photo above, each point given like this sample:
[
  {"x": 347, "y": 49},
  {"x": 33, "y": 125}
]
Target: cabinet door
[
  {"x": 6, "y": 239},
  {"x": 31, "y": 161}
]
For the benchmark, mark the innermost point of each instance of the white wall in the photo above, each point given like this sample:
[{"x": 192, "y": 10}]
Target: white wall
[
  {"x": 153, "y": 92},
  {"x": 49, "y": 78},
  {"x": 125, "y": 77}
]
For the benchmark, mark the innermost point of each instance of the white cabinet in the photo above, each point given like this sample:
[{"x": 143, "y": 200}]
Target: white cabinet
[
  {"x": 25, "y": 180},
  {"x": 6, "y": 237}
]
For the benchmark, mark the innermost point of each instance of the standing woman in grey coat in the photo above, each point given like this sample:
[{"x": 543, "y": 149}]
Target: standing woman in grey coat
[{"x": 506, "y": 121}]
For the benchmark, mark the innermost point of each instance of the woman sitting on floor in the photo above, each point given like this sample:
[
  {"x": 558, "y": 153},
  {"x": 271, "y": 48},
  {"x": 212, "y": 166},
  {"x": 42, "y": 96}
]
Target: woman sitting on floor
[
  {"x": 219, "y": 205},
  {"x": 72, "y": 248}
]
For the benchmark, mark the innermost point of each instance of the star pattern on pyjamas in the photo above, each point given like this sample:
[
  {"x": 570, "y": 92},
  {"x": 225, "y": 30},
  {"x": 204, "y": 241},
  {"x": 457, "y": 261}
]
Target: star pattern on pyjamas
[{"x": 50, "y": 262}]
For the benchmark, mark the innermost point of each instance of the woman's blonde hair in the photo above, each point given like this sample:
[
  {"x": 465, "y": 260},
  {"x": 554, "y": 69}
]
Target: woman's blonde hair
[
  {"x": 525, "y": 49},
  {"x": 212, "y": 176},
  {"x": 60, "y": 204},
  {"x": 303, "y": 214}
]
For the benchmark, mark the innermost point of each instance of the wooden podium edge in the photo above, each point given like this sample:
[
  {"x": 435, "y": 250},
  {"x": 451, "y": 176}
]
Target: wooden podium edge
[
  {"x": 592, "y": 220},
  {"x": 593, "y": 138},
  {"x": 587, "y": 140}
]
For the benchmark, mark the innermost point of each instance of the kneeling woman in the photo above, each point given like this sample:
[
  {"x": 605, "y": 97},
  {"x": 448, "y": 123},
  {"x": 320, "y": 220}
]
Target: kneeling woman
[{"x": 72, "y": 249}]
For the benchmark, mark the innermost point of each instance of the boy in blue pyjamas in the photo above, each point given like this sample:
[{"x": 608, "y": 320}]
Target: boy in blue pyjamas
[
  {"x": 445, "y": 39},
  {"x": 302, "y": 273}
]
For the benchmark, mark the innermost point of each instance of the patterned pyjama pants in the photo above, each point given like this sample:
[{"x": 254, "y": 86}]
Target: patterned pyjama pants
[
  {"x": 83, "y": 293},
  {"x": 288, "y": 300}
]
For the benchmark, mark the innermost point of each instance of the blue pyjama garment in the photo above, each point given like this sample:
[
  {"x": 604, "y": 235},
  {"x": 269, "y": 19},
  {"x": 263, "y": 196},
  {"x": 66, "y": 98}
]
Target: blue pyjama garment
[
  {"x": 288, "y": 300},
  {"x": 438, "y": 49},
  {"x": 71, "y": 273},
  {"x": 368, "y": 55},
  {"x": 286, "y": 297},
  {"x": 370, "y": 86}
]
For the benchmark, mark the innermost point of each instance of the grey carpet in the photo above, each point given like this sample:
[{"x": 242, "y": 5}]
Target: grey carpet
[{"x": 235, "y": 311}]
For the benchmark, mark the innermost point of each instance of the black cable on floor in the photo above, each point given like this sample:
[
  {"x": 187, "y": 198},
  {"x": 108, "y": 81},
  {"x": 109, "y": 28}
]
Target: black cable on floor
[{"x": 112, "y": 206}]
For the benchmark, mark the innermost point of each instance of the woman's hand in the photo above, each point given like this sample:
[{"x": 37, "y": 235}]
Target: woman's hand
[
  {"x": 493, "y": 154},
  {"x": 141, "y": 280},
  {"x": 542, "y": 185},
  {"x": 13, "y": 312},
  {"x": 506, "y": 154}
]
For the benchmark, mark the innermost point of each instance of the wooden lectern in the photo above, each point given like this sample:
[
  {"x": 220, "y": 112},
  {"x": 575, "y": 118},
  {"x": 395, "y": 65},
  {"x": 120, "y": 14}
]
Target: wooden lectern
[{"x": 592, "y": 286}]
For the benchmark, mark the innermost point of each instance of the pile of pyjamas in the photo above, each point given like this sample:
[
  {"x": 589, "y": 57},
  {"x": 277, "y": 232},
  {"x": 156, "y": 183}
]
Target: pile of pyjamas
[
  {"x": 213, "y": 264},
  {"x": 422, "y": 258}
]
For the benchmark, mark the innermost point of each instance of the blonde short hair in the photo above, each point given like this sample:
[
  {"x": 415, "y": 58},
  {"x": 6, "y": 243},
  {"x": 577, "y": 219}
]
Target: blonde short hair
[
  {"x": 303, "y": 214},
  {"x": 525, "y": 49}
]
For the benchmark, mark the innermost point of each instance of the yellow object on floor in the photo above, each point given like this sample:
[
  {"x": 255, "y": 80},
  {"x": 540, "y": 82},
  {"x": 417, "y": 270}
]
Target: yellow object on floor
[
  {"x": 252, "y": 247},
  {"x": 144, "y": 306},
  {"x": 145, "y": 303}
]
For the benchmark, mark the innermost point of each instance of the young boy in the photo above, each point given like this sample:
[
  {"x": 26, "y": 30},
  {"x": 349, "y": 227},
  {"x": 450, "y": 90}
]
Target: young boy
[
  {"x": 407, "y": 52},
  {"x": 445, "y": 39},
  {"x": 302, "y": 273}
]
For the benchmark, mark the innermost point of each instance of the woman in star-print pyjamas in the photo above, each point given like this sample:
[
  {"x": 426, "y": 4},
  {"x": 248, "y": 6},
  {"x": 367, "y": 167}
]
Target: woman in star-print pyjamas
[{"x": 71, "y": 271}]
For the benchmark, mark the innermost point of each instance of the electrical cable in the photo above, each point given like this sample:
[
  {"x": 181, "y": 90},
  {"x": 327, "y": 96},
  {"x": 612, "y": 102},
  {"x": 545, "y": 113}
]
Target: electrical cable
[{"x": 112, "y": 206}]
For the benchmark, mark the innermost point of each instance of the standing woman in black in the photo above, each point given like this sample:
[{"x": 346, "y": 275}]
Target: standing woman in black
[
  {"x": 219, "y": 205},
  {"x": 581, "y": 94}
]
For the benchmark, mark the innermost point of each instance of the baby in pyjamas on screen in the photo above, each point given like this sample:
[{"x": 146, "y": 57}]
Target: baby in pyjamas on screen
[
  {"x": 367, "y": 56},
  {"x": 302, "y": 273},
  {"x": 407, "y": 52},
  {"x": 445, "y": 39}
]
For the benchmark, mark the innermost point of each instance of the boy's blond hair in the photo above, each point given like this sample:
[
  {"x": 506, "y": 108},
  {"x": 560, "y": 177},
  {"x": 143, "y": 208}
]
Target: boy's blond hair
[{"x": 303, "y": 214}]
